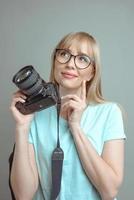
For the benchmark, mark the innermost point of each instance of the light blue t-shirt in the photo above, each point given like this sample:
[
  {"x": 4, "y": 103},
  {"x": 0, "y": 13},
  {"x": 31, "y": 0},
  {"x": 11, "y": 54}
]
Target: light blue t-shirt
[{"x": 100, "y": 123}]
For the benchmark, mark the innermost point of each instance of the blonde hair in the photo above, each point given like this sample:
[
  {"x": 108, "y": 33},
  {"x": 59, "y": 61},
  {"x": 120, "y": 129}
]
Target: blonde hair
[{"x": 93, "y": 87}]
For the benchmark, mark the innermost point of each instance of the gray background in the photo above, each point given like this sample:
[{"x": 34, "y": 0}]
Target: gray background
[{"x": 30, "y": 29}]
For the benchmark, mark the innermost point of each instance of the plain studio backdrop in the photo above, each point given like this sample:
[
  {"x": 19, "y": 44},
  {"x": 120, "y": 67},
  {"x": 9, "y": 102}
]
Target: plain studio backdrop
[{"x": 30, "y": 29}]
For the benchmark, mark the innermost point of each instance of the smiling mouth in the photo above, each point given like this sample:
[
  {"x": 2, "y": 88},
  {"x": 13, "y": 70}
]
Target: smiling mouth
[{"x": 68, "y": 75}]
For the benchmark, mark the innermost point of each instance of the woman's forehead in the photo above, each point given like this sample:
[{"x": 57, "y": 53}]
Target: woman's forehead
[{"x": 78, "y": 46}]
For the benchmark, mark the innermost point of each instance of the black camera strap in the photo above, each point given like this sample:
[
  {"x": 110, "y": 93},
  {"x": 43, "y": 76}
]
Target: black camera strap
[{"x": 57, "y": 162}]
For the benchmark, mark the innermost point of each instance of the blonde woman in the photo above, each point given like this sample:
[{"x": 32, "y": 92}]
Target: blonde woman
[{"x": 91, "y": 131}]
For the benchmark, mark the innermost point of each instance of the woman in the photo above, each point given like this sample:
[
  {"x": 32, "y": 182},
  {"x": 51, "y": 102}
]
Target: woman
[{"x": 91, "y": 131}]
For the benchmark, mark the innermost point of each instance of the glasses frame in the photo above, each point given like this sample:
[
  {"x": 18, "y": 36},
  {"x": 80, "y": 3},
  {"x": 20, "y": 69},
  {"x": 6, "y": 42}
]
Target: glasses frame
[{"x": 71, "y": 55}]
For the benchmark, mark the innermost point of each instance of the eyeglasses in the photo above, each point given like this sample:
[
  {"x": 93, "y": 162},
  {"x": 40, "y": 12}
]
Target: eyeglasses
[{"x": 81, "y": 61}]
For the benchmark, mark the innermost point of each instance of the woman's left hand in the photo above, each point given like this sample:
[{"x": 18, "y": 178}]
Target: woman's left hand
[{"x": 74, "y": 106}]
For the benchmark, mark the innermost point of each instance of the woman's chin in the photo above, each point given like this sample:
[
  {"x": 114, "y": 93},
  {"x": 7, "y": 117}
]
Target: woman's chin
[{"x": 69, "y": 85}]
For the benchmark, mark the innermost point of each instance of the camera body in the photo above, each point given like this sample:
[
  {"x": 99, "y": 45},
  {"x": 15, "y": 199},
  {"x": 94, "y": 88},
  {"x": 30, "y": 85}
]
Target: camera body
[
  {"x": 40, "y": 95},
  {"x": 43, "y": 100}
]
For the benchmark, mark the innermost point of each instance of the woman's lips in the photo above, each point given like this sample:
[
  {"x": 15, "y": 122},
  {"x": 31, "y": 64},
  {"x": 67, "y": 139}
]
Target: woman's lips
[{"x": 68, "y": 75}]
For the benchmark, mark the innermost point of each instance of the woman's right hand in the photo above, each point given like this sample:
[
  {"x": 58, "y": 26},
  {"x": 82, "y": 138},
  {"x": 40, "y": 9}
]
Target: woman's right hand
[{"x": 21, "y": 119}]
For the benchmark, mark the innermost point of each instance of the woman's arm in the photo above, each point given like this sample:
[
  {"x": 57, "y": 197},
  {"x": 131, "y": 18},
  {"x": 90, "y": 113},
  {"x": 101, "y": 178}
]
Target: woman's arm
[
  {"x": 24, "y": 175},
  {"x": 106, "y": 171}
]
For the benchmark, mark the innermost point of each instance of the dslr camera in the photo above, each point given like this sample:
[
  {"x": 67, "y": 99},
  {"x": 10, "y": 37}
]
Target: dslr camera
[{"x": 40, "y": 95}]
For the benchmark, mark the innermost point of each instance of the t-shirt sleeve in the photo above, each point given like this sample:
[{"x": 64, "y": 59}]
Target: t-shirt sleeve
[{"x": 114, "y": 127}]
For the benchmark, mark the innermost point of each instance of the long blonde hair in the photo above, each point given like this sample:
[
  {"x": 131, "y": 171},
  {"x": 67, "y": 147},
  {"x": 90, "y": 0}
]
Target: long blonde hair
[{"x": 93, "y": 87}]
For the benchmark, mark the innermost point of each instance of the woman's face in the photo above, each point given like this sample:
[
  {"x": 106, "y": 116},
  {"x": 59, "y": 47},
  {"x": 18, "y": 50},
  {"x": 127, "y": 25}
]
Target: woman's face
[{"x": 68, "y": 75}]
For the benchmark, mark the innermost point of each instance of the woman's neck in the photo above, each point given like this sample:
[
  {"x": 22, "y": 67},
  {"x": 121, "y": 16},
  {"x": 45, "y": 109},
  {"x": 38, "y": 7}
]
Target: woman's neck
[{"x": 66, "y": 91}]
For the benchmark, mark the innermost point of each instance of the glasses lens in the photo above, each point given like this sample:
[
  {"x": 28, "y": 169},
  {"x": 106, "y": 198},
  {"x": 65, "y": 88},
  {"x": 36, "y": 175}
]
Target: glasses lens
[
  {"x": 62, "y": 55},
  {"x": 82, "y": 61}
]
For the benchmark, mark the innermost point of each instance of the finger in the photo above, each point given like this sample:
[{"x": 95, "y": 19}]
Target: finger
[
  {"x": 19, "y": 94},
  {"x": 70, "y": 104},
  {"x": 83, "y": 90},
  {"x": 18, "y": 99},
  {"x": 70, "y": 97}
]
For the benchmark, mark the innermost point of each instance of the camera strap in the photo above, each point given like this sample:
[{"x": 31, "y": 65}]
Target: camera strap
[{"x": 57, "y": 162}]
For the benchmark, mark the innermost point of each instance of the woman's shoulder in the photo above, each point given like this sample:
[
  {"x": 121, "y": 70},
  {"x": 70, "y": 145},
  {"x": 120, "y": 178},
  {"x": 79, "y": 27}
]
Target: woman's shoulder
[{"x": 105, "y": 107}]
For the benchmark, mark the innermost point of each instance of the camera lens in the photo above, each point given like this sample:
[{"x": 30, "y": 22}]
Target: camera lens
[
  {"x": 25, "y": 74},
  {"x": 28, "y": 80}
]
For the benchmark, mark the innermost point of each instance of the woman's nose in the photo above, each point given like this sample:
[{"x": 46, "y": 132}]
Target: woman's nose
[{"x": 71, "y": 63}]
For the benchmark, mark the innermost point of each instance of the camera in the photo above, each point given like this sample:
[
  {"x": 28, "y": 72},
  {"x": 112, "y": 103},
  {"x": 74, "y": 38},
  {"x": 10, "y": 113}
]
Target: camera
[{"x": 40, "y": 95}]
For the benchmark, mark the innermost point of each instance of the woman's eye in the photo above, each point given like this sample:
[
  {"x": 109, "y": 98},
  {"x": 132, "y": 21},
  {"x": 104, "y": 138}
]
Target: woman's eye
[
  {"x": 64, "y": 54},
  {"x": 83, "y": 59}
]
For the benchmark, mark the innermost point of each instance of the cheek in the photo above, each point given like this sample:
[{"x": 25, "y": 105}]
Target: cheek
[{"x": 86, "y": 75}]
